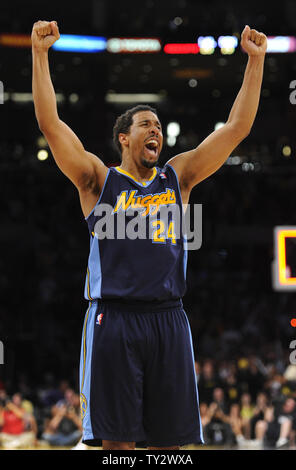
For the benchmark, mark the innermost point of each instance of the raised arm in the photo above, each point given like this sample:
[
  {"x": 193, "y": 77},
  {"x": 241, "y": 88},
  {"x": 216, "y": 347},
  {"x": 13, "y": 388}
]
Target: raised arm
[
  {"x": 197, "y": 164},
  {"x": 83, "y": 168}
]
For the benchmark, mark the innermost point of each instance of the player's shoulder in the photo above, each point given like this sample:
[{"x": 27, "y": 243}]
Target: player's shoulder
[
  {"x": 167, "y": 171},
  {"x": 100, "y": 170}
]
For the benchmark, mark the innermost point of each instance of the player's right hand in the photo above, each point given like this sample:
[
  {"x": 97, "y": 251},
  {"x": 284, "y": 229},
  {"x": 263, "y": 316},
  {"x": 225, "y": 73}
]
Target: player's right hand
[{"x": 44, "y": 34}]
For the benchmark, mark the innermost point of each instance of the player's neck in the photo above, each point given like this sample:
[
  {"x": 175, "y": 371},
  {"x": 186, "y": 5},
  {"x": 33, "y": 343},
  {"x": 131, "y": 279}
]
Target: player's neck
[{"x": 139, "y": 172}]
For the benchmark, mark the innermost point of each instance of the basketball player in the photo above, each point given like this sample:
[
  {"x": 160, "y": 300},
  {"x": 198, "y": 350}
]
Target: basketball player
[{"x": 137, "y": 374}]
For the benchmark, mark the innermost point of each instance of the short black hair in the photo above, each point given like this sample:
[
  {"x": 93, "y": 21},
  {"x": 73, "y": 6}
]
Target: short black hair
[{"x": 124, "y": 122}]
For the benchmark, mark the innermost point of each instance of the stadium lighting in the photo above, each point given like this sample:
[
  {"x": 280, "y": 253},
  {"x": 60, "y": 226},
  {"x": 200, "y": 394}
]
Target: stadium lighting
[
  {"x": 286, "y": 151},
  {"x": 192, "y": 83},
  {"x": 227, "y": 44},
  {"x": 218, "y": 125},
  {"x": 19, "y": 97},
  {"x": 42, "y": 155},
  {"x": 178, "y": 21},
  {"x": 246, "y": 166},
  {"x": 207, "y": 45},
  {"x": 41, "y": 141},
  {"x": 234, "y": 160},
  {"x": 15, "y": 40},
  {"x": 112, "y": 97},
  {"x": 281, "y": 44},
  {"x": 76, "y": 43},
  {"x": 73, "y": 98},
  {"x": 173, "y": 130},
  {"x": 25, "y": 97},
  {"x": 181, "y": 48},
  {"x": 133, "y": 45}
]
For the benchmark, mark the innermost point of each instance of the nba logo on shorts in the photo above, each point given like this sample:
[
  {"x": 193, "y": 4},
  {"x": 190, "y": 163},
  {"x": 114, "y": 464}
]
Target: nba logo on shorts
[
  {"x": 163, "y": 176},
  {"x": 99, "y": 319}
]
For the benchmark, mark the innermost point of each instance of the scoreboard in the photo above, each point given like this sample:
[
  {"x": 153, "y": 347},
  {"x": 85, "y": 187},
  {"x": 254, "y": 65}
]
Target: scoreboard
[{"x": 284, "y": 263}]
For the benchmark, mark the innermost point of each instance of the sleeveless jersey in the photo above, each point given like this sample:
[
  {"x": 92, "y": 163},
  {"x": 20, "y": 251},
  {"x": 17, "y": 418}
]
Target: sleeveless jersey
[{"x": 135, "y": 252}]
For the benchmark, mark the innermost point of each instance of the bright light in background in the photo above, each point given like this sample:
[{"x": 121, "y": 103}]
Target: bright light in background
[
  {"x": 227, "y": 44},
  {"x": 207, "y": 44},
  {"x": 130, "y": 45},
  {"x": 192, "y": 83},
  {"x": 286, "y": 151},
  {"x": 173, "y": 130},
  {"x": 76, "y": 43},
  {"x": 178, "y": 21},
  {"x": 24, "y": 97},
  {"x": 73, "y": 98},
  {"x": 281, "y": 44},
  {"x": 171, "y": 140},
  {"x": 248, "y": 166},
  {"x": 235, "y": 160},
  {"x": 218, "y": 125},
  {"x": 112, "y": 97},
  {"x": 42, "y": 155},
  {"x": 181, "y": 48},
  {"x": 18, "y": 97},
  {"x": 41, "y": 141}
]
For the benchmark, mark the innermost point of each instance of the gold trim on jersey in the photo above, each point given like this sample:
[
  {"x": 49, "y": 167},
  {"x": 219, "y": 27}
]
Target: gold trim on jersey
[
  {"x": 83, "y": 405},
  {"x": 88, "y": 286},
  {"x": 124, "y": 172},
  {"x": 84, "y": 346}
]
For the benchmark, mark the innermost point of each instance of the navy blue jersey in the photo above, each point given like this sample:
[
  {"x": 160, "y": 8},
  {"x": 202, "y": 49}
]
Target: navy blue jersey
[{"x": 141, "y": 258}]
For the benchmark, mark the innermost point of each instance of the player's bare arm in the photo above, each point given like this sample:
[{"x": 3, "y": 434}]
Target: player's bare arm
[
  {"x": 83, "y": 168},
  {"x": 195, "y": 165}
]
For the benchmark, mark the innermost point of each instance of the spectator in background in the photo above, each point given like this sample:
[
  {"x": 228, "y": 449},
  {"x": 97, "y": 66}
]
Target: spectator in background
[
  {"x": 204, "y": 414},
  {"x": 232, "y": 388},
  {"x": 258, "y": 413},
  {"x": 246, "y": 413},
  {"x": 236, "y": 423},
  {"x": 70, "y": 400},
  {"x": 207, "y": 382},
  {"x": 219, "y": 399},
  {"x": 65, "y": 426},
  {"x": 255, "y": 377},
  {"x": 218, "y": 430},
  {"x": 18, "y": 427},
  {"x": 274, "y": 383},
  {"x": 276, "y": 427},
  {"x": 3, "y": 397}
]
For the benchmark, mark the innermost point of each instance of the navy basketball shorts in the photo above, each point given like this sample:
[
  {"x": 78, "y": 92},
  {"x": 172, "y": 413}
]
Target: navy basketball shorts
[{"x": 137, "y": 375}]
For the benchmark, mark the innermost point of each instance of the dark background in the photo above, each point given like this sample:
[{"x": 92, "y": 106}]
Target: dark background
[{"x": 230, "y": 302}]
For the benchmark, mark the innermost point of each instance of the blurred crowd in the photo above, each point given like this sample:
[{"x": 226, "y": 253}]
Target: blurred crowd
[
  {"x": 50, "y": 418},
  {"x": 246, "y": 404}
]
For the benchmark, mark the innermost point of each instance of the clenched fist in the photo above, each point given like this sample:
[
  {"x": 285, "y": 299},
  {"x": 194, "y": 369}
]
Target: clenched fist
[
  {"x": 44, "y": 34},
  {"x": 252, "y": 42}
]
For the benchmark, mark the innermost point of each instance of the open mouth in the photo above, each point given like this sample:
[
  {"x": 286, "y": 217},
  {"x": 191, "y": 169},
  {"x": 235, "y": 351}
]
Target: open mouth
[{"x": 152, "y": 147}]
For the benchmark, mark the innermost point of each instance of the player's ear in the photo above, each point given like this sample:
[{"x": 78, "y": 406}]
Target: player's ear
[{"x": 123, "y": 139}]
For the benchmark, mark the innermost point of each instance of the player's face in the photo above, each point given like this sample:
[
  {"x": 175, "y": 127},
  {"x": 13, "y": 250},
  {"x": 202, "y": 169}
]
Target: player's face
[{"x": 145, "y": 138}]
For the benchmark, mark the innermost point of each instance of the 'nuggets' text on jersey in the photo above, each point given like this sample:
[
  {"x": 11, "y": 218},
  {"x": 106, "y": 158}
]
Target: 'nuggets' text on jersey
[{"x": 149, "y": 203}]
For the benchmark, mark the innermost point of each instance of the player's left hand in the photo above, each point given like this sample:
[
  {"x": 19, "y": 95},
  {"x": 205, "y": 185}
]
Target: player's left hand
[{"x": 252, "y": 42}]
